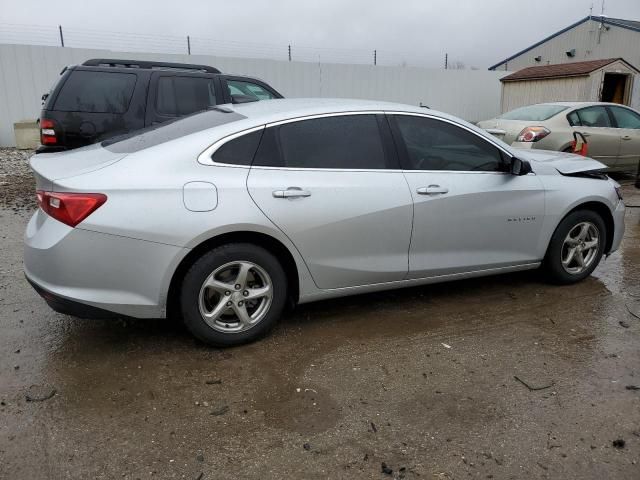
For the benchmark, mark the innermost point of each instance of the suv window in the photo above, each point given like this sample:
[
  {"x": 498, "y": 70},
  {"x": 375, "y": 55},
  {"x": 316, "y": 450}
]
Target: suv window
[
  {"x": 177, "y": 96},
  {"x": 249, "y": 89},
  {"x": 625, "y": 118},
  {"x": 349, "y": 141},
  {"x": 594, "y": 117},
  {"x": 436, "y": 145},
  {"x": 96, "y": 92}
]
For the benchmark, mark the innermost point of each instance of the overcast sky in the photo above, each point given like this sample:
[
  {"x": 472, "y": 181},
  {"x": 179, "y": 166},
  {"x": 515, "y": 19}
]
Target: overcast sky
[{"x": 476, "y": 32}]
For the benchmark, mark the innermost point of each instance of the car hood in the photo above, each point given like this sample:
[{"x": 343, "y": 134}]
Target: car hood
[{"x": 565, "y": 163}]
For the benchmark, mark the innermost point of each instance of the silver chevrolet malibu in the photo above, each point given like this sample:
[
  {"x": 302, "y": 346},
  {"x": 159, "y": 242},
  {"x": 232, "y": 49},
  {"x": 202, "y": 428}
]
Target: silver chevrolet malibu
[{"x": 226, "y": 217}]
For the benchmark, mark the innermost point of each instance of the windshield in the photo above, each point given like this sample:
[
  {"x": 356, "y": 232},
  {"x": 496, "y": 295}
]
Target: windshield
[
  {"x": 534, "y": 112},
  {"x": 167, "y": 131}
]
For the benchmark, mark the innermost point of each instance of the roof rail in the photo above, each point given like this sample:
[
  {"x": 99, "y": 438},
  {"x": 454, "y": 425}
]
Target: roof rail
[{"x": 109, "y": 62}]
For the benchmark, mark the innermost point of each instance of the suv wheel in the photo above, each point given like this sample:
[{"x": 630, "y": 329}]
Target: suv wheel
[
  {"x": 233, "y": 294},
  {"x": 576, "y": 247}
]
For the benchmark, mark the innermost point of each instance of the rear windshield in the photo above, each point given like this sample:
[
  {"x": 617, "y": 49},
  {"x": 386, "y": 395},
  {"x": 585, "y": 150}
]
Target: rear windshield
[
  {"x": 96, "y": 92},
  {"x": 165, "y": 132},
  {"x": 534, "y": 112}
]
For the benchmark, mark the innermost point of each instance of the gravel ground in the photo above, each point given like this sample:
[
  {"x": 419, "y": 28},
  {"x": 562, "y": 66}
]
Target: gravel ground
[
  {"x": 503, "y": 377},
  {"x": 17, "y": 187}
]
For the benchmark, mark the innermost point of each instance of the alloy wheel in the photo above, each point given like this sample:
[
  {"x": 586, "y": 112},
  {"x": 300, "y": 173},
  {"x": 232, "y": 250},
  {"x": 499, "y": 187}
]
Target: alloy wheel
[
  {"x": 235, "y": 297},
  {"x": 580, "y": 248}
]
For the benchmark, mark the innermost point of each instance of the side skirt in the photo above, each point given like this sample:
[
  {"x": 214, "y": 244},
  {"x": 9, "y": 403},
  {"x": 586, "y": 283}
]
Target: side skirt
[{"x": 376, "y": 287}]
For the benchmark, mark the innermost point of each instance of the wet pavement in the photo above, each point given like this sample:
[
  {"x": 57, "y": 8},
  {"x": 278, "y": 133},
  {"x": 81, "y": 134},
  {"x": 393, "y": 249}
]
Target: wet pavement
[{"x": 422, "y": 379}]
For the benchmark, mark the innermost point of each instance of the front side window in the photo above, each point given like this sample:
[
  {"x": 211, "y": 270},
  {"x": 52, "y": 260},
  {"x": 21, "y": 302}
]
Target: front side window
[
  {"x": 96, "y": 92},
  {"x": 574, "y": 120},
  {"x": 436, "y": 145},
  {"x": 344, "y": 142},
  {"x": 594, "y": 117},
  {"x": 625, "y": 118},
  {"x": 249, "y": 89},
  {"x": 178, "y": 96}
]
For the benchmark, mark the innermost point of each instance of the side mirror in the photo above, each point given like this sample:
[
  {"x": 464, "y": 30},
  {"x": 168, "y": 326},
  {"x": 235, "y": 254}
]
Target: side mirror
[{"x": 520, "y": 167}]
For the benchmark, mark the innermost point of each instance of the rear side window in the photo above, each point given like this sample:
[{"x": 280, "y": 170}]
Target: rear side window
[
  {"x": 177, "y": 96},
  {"x": 239, "y": 151},
  {"x": 345, "y": 142},
  {"x": 594, "y": 117},
  {"x": 436, "y": 145},
  {"x": 249, "y": 89},
  {"x": 96, "y": 92},
  {"x": 625, "y": 118}
]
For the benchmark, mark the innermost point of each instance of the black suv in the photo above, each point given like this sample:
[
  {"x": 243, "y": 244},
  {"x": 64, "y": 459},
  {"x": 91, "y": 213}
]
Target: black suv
[{"x": 103, "y": 98}]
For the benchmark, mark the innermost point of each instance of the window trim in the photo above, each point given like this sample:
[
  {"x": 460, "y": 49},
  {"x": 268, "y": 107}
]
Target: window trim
[
  {"x": 205, "y": 158},
  {"x": 400, "y": 145}
]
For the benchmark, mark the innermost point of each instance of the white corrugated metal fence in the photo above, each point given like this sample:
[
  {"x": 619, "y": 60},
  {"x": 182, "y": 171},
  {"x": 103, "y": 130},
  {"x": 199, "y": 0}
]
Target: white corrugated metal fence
[{"x": 28, "y": 71}]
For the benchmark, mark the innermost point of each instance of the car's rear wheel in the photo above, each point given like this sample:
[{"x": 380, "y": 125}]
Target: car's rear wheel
[
  {"x": 233, "y": 294},
  {"x": 576, "y": 247}
]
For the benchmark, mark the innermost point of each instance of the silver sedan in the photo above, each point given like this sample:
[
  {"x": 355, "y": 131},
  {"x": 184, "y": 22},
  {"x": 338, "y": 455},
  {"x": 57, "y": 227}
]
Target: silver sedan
[
  {"x": 225, "y": 217},
  {"x": 611, "y": 131}
]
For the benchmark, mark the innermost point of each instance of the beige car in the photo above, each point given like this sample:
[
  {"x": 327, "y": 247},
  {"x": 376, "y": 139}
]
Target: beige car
[{"x": 612, "y": 131}]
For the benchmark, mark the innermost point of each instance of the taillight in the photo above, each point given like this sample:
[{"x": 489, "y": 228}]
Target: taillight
[
  {"x": 532, "y": 134},
  {"x": 70, "y": 208},
  {"x": 48, "y": 132}
]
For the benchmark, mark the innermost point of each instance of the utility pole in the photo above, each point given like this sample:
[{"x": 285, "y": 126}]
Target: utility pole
[
  {"x": 446, "y": 61},
  {"x": 188, "y": 45},
  {"x": 375, "y": 57},
  {"x": 61, "y": 37},
  {"x": 289, "y": 52}
]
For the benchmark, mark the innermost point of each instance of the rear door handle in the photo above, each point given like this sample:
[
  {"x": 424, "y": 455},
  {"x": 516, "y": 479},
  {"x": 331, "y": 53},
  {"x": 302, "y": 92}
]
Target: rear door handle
[
  {"x": 626, "y": 137},
  {"x": 291, "y": 192},
  {"x": 432, "y": 190},
  {"x": 586, "y": 134}
]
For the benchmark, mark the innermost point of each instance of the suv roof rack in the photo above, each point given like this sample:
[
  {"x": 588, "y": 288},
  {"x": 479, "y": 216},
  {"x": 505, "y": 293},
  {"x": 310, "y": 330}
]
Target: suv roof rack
[{"x": 109, "y": 62}]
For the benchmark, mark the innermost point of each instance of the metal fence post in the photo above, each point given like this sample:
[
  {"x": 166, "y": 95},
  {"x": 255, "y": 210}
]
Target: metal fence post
[
  {"x": 61, "y": 37},
  {"x": 188, "y": 45}
]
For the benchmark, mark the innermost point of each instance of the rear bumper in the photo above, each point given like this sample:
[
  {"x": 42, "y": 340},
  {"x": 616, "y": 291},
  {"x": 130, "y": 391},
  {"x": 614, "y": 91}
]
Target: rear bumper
[
  {"x": 70, "y": 307},
  {"x": 91, "y": 274}
]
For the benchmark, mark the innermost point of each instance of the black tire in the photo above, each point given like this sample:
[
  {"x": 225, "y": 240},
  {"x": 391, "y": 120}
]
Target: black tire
[
  {"x": 208, "y": 263},
  {"x": 553, "y": 260}
]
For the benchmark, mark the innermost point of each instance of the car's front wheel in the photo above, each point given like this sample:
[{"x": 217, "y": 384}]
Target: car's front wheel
[
  {"x": 576, "y": 247},
  {"x": 233, "y": 294}
]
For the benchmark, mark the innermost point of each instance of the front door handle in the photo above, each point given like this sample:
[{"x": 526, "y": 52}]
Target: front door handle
[
  {"x": 291, "y": 192},
  {"x": 586, "y": 134},
  {"x": 626, "y": 137},
  {"x": 432, "y": 190}
]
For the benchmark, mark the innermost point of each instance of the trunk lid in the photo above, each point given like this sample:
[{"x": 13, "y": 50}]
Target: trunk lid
[
  {"x": 505, "y": 130},
  {"x": 49, "y": 167},
  {"x": 565, "y": 163}
]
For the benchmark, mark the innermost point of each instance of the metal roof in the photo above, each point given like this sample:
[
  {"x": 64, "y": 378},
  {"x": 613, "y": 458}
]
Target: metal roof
[
  {"x": 559, "y": 70},
  {"x": 618, "y": 22}
]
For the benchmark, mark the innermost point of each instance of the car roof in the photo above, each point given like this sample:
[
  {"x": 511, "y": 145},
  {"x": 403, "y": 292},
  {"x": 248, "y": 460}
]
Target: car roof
[
  {"x": 580, "y": 104},
  {"x": 267, "y": 111}
]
